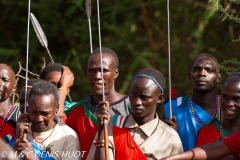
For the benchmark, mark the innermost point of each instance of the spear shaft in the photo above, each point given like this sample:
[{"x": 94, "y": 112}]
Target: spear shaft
[
  {"x": 103, "y": 92},
  {"x": 169, "y": 63},
  {"x": 26, "y": 80}
]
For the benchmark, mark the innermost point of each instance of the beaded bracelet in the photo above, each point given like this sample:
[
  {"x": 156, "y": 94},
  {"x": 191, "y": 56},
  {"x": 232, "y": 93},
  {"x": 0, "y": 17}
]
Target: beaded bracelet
[
  {"x": 98, "y": 143},
  {"x": 64, "y": 90}
]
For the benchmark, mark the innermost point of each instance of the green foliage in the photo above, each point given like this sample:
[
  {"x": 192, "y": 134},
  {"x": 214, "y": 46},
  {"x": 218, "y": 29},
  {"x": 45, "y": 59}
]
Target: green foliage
[
  {"x": 225, "y": 14},
  {"x": 135, "y": 29},
  {"x": 229, "y": 66}
]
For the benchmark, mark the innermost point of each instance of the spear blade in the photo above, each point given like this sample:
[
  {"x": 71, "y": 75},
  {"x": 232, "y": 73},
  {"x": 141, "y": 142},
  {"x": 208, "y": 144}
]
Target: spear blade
[
  {"x": 88, "y": 8},
  {"x": 88, "y": 12},
  {"x": 40, "y": 34},
  {"x": 42, "y": 39}
]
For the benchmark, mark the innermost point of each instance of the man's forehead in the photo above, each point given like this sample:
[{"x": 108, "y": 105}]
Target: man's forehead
[
  {"x": 205, "y": 60},
  {"x": 106, "y": 60}
]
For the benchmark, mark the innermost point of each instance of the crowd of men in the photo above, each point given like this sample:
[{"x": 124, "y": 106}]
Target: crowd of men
[{"x": 53, "y": 128}]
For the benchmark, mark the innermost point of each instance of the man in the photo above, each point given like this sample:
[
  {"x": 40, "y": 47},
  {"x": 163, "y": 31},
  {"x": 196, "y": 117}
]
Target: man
[
  {"x": 230, "y": 106},
  {"x": 82, "y": 116},
  {"x": 39, "y": 134},
  {"x": 63, "y": 78},
  {"x": 202, "y": 106},
  {"x": 8, "y": 112},
  {"x": 141, "y": 135},
  {"x": 216, "y": 150}
]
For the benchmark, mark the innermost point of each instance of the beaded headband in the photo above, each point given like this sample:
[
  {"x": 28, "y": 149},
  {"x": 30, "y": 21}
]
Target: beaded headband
[{"x": 144, "y": 75}]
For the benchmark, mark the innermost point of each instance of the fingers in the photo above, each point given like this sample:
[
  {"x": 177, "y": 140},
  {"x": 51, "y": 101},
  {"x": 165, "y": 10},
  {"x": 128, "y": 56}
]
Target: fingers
[
  {"x": 67, "y": 78},
  {"x": 103, "y": 112},
  {"x": 22, "y": 128},
  {"x": 172, "y": 123},
  {"x": 174, "y": 119},
  {"x": 23, "y": 118}
]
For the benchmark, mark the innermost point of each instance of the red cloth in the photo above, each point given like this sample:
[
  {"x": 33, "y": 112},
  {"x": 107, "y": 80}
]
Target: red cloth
[
  {"x": 6, "y": 129},
  {"x": 123, "y": 142},
  {"x": 208, "y": 133},
  {"x": 173, "y": 94},
  {"x": 85, "y": 128},
  {"x": 233, "y": 144}
]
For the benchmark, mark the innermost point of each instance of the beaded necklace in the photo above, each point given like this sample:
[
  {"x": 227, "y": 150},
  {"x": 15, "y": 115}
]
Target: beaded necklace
[
  {"x": 45, "y": 138},
  {"x": 144, "y": 140},
  {"x": 221, "y": 132},
  {"x": 195, "y": 117},
  {"x": 6, "y": 116}
]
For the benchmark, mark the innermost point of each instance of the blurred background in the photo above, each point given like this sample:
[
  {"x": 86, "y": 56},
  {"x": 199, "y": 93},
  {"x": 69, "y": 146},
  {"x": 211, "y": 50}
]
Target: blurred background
[{"x": 135, "y": 29}]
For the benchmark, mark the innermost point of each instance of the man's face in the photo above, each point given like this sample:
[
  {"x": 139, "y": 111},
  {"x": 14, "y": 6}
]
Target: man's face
[
  {"x": 144, "y": 96},
  {"x": 41, "y": 112},
  {"x": 204, "y": 75},
  {"x": 230, "y": 100},
  {"x": 94, "y": 73},
  {"x": 7, "y": 82},
  {"x": 54, "y": 78}
]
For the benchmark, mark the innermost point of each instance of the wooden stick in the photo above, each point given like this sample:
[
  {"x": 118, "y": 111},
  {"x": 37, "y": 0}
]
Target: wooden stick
[{"x": 106, "y": 140}]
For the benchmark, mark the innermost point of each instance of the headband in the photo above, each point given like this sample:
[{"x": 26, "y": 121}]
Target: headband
[{"x": 144, "y": 75}]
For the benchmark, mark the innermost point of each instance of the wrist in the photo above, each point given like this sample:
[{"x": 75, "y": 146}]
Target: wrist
[{"x": 65, "y": 90}]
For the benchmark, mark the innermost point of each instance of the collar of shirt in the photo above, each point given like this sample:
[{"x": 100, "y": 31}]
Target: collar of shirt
[{"x": 147, "y": 128}]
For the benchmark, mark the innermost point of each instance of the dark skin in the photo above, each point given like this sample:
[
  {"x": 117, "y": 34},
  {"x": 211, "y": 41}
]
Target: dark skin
[
  {"x": 144, "y": 97},
  {"x": 61, "y": 80},
  {"x": 41, "y": 112},
  {"x": 110, "y": 73},
  {"x": 204, "y": 76},
  {"x": 6, "y": 148},
  {"x": 230, "y": 104},
  {"x": 7, "y": 87},
  {"x": 209, "y": 151}
]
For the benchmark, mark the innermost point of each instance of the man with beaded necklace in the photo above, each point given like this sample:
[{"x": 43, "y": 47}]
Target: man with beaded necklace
[
  {"x": 141, "y": 135},
  {"x": 230, "y": 105},
  {"x": 202, "y": 105}
]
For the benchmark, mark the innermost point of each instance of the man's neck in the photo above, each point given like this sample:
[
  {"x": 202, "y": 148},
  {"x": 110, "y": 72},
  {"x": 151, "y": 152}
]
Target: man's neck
[
  {"x": 232, "y": 126},
  {"x": 4, "y": 107},
  {"x": 204, "y": 100},
  {"x": 110, "y": 97}
]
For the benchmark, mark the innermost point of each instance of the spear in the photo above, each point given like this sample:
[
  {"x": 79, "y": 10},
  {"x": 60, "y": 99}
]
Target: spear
[
  {"x": 42, "y": 39},
  {"x": 28, "y": 24},
  {"x": 88, "y": 12},
  {"x": 169, "y": 63},
  {"x": 103, "y": 93},
  {"x": 40, "y": 34}
]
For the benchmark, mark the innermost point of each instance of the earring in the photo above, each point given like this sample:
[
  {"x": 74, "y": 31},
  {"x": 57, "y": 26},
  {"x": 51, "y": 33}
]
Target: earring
[{"x": 55, "y": 119}]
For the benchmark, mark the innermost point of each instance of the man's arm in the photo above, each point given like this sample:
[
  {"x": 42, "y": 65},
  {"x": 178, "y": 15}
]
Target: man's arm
[{"x": 210, "y": 151}]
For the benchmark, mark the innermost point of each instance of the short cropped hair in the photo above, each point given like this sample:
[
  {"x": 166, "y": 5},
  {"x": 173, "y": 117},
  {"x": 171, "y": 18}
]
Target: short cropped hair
[
  {"x": 108, "y": 51},
  {"x": 210, "y": 56},
  {"x": 235, "y": 76},
  {"x": 45, "y": 88},
  {"x": 155, "y": 74},
  {"x": 50, "y": 67}
]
